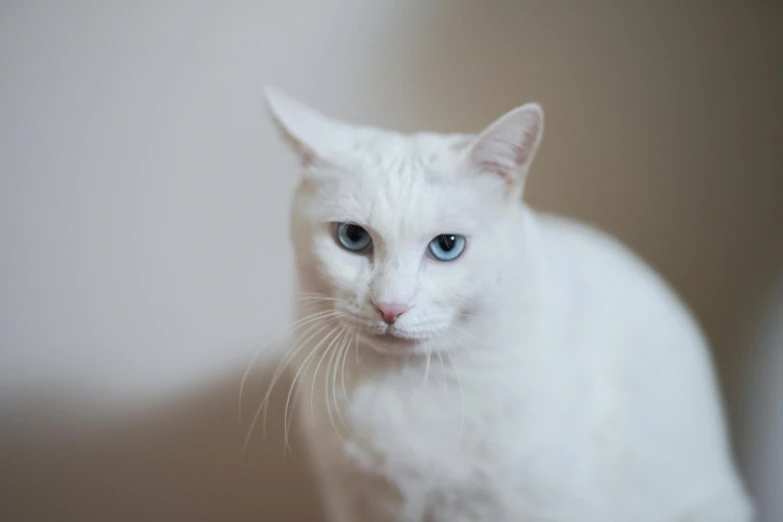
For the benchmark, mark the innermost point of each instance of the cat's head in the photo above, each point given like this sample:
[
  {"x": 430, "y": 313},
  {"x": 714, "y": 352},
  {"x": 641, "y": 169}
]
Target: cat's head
[{"x": 404, "y": 236}]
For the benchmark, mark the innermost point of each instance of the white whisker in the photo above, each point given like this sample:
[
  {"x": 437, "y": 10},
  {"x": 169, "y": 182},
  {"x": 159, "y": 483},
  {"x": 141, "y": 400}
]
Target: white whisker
[
  {"x": 342, "y": 371},
  {"x": 341, "y": 349},
  {"x": 467, "y": 332},
  {"x": 298, "y": 347},
  {"x": 278, "y": 373},
  {"x": 320, "y": 299},
  {"x": 317, "y": 367},
  {"x": 445, "y": 375},
  {"x": 290, "y": 420},
  {"x": 291, "y": 329},
  {"x": 461, "y": 391},
  {"x": 326, "y": 388},
  {"x": 296, "y": 376},
  {"x": 425, "y": 380}
]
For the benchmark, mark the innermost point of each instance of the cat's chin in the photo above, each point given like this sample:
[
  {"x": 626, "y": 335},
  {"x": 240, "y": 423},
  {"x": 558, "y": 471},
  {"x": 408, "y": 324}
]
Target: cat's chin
[{"x": 393, "y": 342}]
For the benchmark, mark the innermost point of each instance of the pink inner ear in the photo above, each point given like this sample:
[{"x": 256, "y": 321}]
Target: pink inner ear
[
  {"x": 507, "y": 147},
  {"x": 501, "y": 158},
  {"x": 522, "y": 149},
  {"x": 497, "y": 168}
]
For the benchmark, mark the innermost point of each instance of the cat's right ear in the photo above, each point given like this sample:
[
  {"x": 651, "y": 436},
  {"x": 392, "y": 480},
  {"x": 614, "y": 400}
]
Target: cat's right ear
[
  {"x": 507, "y": 147},
  {"x": 308, "y": 132}
]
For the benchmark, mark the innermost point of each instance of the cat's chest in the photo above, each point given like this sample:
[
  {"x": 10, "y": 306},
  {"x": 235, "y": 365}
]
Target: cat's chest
[
  {"x": 453, "y": 448},
  {"x": 470, "y": 427},
  {"x": 436, "y": 432}
]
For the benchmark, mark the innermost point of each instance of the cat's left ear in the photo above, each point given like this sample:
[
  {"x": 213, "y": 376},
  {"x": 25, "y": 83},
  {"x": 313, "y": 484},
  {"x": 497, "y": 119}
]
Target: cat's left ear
[
  {"x": 507, "y": 147},
  {"x": 310, "y": 134}
]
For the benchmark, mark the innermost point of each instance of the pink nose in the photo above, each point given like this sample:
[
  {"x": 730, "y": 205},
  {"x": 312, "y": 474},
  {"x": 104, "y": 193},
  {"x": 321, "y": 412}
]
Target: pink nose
[{"x": 390, "y": 311}]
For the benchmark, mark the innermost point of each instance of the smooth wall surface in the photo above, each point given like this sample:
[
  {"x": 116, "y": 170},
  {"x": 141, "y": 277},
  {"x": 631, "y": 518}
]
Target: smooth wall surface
[{"x": 143, "y": 205}]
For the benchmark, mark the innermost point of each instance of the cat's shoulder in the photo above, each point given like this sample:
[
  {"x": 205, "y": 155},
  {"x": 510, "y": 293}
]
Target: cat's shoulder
[
  {"x": 582, "y": 245},
  {"x": 599, "y": 263},
  {"x": 569, "y": 235}
]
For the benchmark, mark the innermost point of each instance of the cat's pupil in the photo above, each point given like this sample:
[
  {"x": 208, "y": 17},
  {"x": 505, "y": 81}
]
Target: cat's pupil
[
  {"x": 446, "y": 242},
  {"x": 354, "y": 233}
]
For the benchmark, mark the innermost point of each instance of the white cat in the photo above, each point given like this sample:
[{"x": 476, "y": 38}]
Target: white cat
[{"x": 461, "y": 357}]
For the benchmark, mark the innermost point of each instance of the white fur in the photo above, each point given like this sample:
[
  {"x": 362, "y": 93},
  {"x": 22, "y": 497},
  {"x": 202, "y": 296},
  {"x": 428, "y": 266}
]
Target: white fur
[{"x": 545, "y": 375}]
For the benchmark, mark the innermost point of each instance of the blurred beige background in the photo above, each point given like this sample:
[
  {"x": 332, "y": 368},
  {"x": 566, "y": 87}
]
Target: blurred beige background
[{"x": 143, "y": 199}]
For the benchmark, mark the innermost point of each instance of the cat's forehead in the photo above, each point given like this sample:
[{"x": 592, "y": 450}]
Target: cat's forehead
[
  {"x": 405, "y": 185},
  {"x": 395, "y": 151}
]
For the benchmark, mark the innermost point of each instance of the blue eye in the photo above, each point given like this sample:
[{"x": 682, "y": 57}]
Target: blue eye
[
  {"x": 353, "y": 237},
  {"x": 447, "y": 247}
]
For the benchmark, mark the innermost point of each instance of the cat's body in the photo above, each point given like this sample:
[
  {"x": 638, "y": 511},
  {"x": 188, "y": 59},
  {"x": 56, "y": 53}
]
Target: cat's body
[{"x": 544, "y": 375}]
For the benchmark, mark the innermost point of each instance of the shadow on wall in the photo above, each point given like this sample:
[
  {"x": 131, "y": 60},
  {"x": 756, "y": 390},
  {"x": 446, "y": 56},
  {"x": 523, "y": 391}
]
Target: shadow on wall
[
  {"x": 178, "y": 460},
  {"x": 760, "y": 437}
]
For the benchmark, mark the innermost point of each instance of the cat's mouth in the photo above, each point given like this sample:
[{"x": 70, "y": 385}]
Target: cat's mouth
[
  {"x": 396, "y": 337},
  {"x": 391, "y": 339},
  {"x": 389, "y": 336},
  {"x": 403, "y": 335},
  {"x": 388, "y": 333}
]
